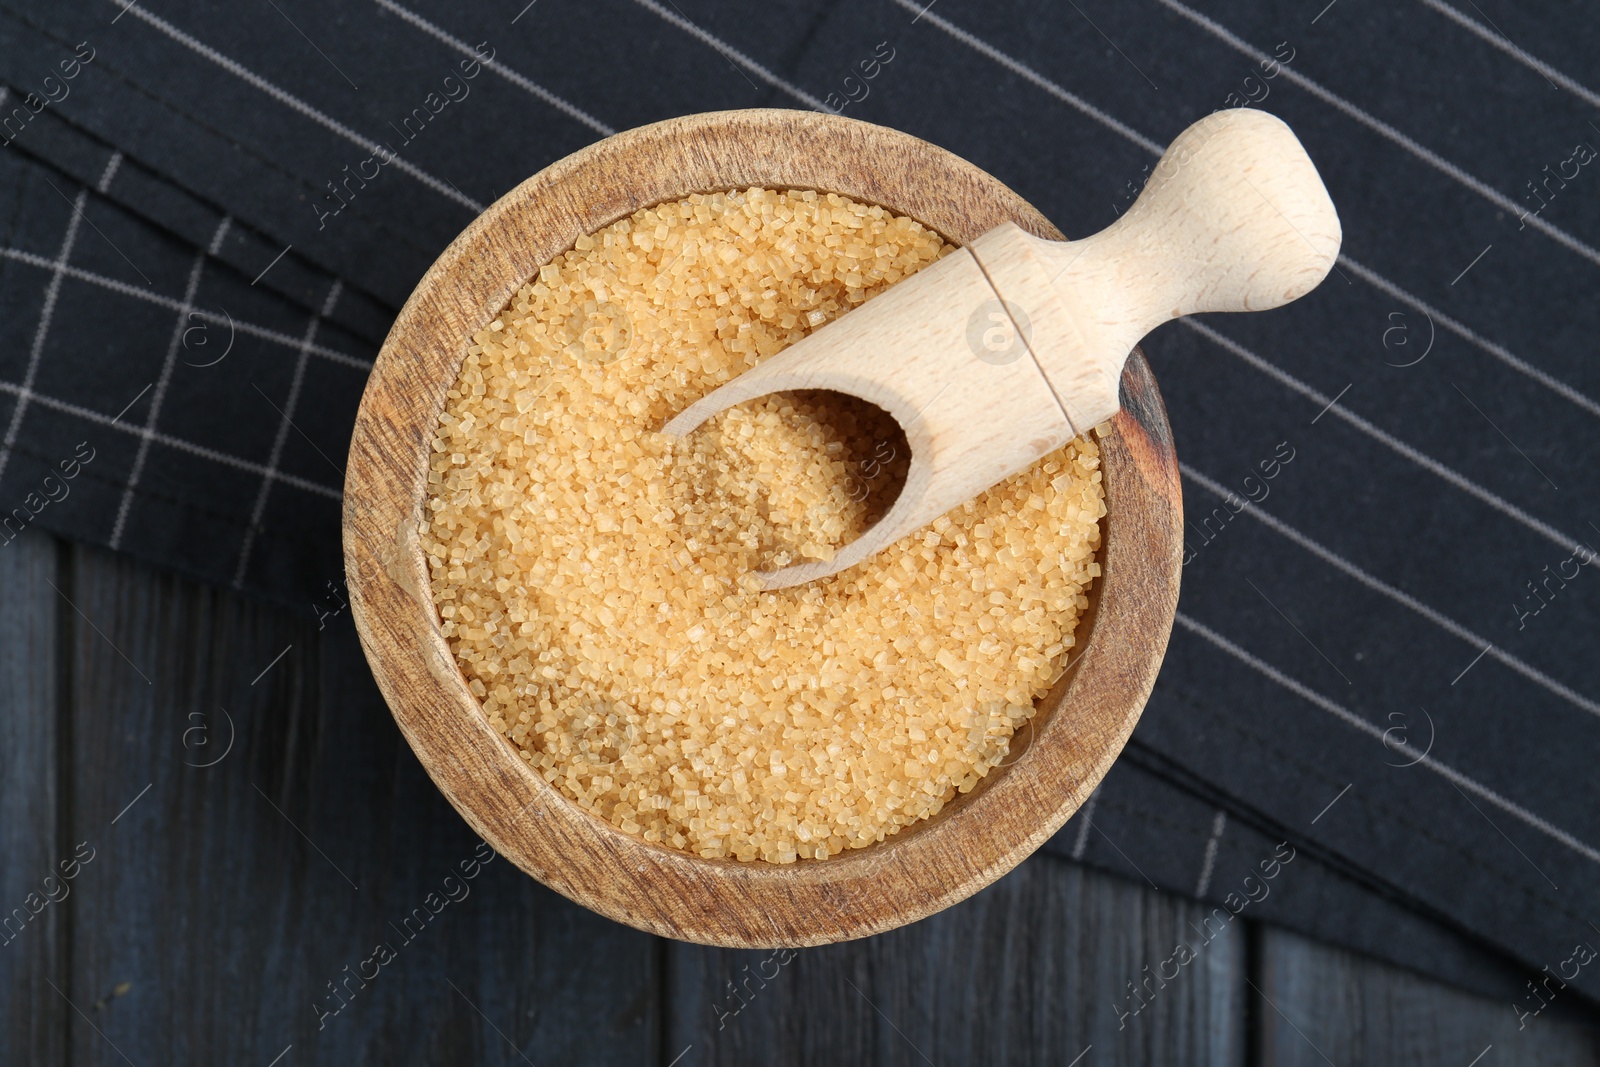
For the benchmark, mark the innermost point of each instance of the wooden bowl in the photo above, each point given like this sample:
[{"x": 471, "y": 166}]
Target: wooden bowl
[{"x": 1054, "y": 764}]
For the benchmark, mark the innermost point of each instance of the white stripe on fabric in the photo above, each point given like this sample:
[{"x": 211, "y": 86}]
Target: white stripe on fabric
[
  {"x": 1500, "y": 352},
  {"x": 112, "y": 166},
  {"x": 258, "y": 509},
  {"x": 1399, "y": 596},
  {"x": 52, "y": 293},
  {"x": 566, "y": 107},
  {"x": 1502, "y": 42},
  {"x": 174, "y": 343},
  {"x": 294, "y": 103},
  {"x": 1388, "y": 132},
  {"x": 1209, "y": 864},
  {"x": 219, "y": 236},
  {"x": 1027, "y": 73},
  {"x": 1350, "y": 718},
  {"x": 733, "y": 55},
  {"x": 163, "y": 439},
  {"x": 1563, "y": 541},
  {"x": 275, "y": 336}
]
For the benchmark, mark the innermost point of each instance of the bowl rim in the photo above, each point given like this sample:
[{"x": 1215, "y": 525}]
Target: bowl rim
[{"x": 925, "y": 867}]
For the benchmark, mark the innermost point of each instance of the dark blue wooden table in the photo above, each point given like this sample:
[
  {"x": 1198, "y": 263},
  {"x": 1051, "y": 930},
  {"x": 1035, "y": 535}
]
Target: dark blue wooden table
[{"x": 242, "y": 826}]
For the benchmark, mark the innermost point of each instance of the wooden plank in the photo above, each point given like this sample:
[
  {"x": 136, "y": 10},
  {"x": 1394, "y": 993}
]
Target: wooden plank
[
  {"x": 236, "y": 905},
  {"x": 518, "y": 970},
  {"x": 193, "y": 888},
  {"x": 33, "y": 912},
  {"x": 1319, "y": 1004},
  {"x": 1034, "y": 969}
]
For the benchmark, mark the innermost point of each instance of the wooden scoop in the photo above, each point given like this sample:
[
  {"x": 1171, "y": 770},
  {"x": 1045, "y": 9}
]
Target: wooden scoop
[{"x": 1003, "y": 351}]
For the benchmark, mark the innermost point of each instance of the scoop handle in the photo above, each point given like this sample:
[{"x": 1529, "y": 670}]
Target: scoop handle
[{"x": 1233, "y": 218}]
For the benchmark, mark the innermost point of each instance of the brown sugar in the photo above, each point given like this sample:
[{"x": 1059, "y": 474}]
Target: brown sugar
[{"x": 594, "y": 581}]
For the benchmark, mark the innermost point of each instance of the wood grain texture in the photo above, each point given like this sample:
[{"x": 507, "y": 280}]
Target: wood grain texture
[
  {"x": 1031, "y": 970},
  {"x": 32, "y": 946},
  {"x": 1319, "y": 1004},
  {"x": 224, "y": 902},
  {"x": 177, "y": 847},
  {"x": 1082, "y": 725}
]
